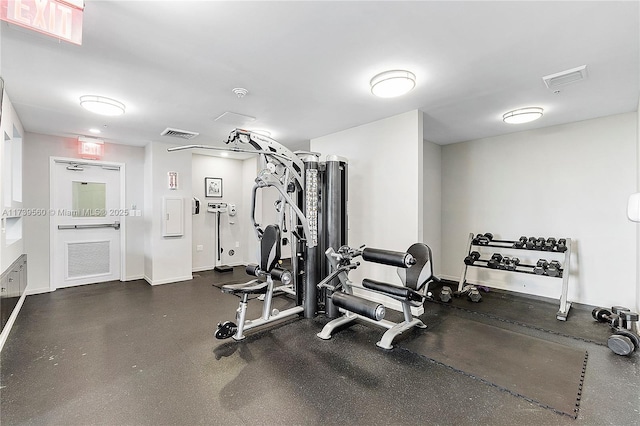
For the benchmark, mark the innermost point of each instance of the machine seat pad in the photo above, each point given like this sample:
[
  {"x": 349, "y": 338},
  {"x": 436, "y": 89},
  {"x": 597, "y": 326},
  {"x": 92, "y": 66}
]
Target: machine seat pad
[
  {"x": 251, "y": 287},
  {"x": 400, "y": 293}
]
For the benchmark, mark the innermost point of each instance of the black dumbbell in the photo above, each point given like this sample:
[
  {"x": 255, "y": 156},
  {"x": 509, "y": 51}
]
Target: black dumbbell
[
  {"x": 550, "y": 244},
  {"x": 623, "y": 342},
  {"x": 554, "y": 269},
  {"x": 531, "y": 243},
  {"x": 561, "y": 246},
  {"x": 514, "y": 263},
  {"x": 620, "y": 310},
  {"x": 506, "y": 261},
  {"x": 485, "y": 239},
  {"x": 521, "y": 243},
  {"x": 605, "y": 315},
  {"x": 495, "y": 261},
  {"x": 540, "y": 243},
  {"x": 630, "y": 320},
  {"x": 473, "y": 256},
  {"x": 541, "y": 267},
  {"x": 472, "y": 293},
  {"x": 445, "y": 294}
]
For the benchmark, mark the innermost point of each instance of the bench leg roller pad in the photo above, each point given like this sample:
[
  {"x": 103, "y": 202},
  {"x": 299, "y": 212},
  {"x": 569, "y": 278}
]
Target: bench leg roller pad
[{"x": 359, "y": 305}]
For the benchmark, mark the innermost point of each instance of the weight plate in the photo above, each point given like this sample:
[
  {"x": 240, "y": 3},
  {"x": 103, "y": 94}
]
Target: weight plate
[
  {"x": 620, "y": 345},
  {"x": 631, "y": 336}
]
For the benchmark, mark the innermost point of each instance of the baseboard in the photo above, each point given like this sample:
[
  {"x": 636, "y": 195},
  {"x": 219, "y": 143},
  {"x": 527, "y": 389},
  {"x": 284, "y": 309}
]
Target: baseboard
[
  {"x": 211, "y": 267},
  {"x": 31, "y": 292},
  {"x": 7, "y": 327},
  {"x": 134, "y": 278},
  {"x": 203, "y": 268},
  {"x": 449, "y": 278},
  {"x": 168, "y": 281}
]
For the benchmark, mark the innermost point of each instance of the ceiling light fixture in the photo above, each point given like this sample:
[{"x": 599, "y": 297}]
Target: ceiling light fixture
[
  {"x": 102, "y": 105},
  {"x": 95, "y": 131},
  {"x": 224, "y": 154},
  {"x": 390, "y": 84},
  {"x": 522, "y": 115}
]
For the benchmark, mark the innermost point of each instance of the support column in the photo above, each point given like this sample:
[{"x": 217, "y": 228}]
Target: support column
[{"x": 335, "y": 217}]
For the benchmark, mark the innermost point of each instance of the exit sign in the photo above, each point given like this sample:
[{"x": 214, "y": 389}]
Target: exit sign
[
  {"x": 90, "y": 148},
  {"x": 57, "y": 18}
]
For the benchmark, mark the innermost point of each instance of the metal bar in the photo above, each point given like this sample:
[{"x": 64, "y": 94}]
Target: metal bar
[
  {"x": 335, "y": 220},
  {"x": 515, "y": 248},
  {"x": 564, "y": 304},
  {"x": 463, "y": 273},
  {"x": 115, "y": 225}
]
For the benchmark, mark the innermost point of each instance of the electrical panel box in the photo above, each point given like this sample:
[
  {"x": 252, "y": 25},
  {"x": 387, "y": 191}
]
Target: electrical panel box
[{"x": 172, "y": 217}]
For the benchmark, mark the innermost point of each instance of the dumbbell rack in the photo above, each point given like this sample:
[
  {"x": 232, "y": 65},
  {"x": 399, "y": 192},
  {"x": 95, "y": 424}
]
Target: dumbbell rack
[{"x": 565, "y": 305}]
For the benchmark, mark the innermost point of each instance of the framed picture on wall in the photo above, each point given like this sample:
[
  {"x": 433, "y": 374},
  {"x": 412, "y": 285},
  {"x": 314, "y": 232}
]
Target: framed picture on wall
[{"x": 213, "y": 187}]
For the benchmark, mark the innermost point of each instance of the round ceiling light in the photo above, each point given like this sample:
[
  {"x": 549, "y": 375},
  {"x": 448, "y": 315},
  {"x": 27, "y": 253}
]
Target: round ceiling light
[
  {"x": 522, "y": 115},
  {"x": 101, "y": 105},
  {"x": 390, "y": 84}
]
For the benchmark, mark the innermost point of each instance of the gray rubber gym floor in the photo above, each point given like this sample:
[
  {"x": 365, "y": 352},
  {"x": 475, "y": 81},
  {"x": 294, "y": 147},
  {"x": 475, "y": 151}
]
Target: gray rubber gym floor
[{"x": 132, "y": 354}]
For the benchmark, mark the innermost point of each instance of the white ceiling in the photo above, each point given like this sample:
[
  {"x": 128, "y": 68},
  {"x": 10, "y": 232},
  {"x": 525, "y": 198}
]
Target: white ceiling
[{"x": 307, "y": 66}]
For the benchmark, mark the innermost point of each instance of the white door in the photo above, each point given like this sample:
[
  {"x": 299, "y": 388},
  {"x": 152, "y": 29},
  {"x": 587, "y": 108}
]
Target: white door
[{"x": 86, "y": 215}]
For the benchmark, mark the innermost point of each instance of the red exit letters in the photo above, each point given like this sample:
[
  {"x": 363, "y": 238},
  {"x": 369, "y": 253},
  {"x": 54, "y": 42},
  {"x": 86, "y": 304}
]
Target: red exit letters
[{"x": 57, "y": 18}]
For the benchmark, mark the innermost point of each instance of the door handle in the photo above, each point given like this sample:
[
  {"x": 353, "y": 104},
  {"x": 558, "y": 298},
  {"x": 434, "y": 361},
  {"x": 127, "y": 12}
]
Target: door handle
[{"x": 114, "y": 225}]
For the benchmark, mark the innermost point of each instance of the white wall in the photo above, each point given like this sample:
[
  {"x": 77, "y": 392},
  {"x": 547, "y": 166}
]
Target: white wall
[
  {"x": 37, "y": 151},
  {"x": 385, "y": 188},
  {"x": 432, "y": 199},
  {"x": 204, "y": 224},
  {"x": 167, "y": 259},
  {"x": 563, "y": 181},
  {"x": 12, "y": 133}
]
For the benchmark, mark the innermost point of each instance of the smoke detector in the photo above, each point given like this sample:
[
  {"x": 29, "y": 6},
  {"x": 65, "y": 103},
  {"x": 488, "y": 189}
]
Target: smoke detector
[
  {"x": 562, "y": 78},
  {"x": 240, "y": 92}
]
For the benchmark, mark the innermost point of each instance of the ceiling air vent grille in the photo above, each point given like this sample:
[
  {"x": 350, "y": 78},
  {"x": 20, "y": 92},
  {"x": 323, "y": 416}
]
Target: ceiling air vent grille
[
  {"x": 177, "y": 133},
  {"x": 565, "y": 77}
]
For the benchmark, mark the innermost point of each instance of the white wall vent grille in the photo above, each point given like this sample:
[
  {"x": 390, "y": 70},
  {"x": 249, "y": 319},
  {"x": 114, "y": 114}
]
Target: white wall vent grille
[
  {"x": 177, "y": 133},
  {"x": 562, "y": 78},
  {"x": 88, "y": 259}
]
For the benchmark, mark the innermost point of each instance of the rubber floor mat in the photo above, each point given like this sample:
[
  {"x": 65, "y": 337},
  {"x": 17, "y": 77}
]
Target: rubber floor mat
[{"x": 546, "y": 373}]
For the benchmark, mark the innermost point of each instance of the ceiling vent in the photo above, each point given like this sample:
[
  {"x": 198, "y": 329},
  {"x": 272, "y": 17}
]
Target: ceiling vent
[
  {"x": 562, "y": 78},
  {"x": 177, "y": 133},
  {"x": 234, "y": 118}
]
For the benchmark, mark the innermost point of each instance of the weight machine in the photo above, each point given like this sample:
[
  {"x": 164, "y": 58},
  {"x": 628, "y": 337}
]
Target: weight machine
[{"x": 312, "y": 204}]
